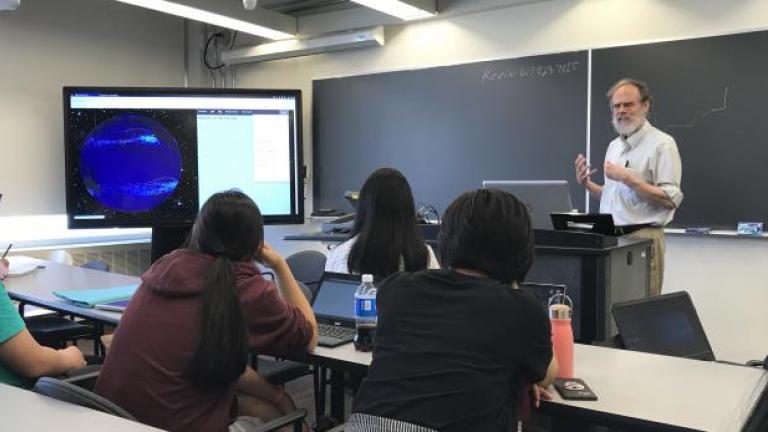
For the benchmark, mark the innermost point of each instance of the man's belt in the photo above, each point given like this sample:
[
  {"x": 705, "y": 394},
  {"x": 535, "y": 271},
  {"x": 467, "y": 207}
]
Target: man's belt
[{"x": 629, "y": 229}]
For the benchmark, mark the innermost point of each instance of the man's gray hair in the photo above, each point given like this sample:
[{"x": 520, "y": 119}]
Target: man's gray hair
[{"x": 642, "y": 87}]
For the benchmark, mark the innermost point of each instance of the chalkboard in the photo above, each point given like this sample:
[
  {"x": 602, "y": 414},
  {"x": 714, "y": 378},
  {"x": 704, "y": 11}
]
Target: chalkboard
[
  {"x": 449, "y": 128},
  {"x": 711, "y": 95}
]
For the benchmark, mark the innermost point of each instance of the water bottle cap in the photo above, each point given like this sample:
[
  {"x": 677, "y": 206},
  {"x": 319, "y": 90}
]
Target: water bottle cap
[
  {"x": 560, "y": 299},
  {"x": 367, "y": 278},
  {"x": 559, "y": 311}
]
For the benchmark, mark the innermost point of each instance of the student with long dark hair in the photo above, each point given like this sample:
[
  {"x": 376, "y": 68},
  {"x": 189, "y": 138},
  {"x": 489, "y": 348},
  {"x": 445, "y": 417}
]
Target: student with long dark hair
[
  {"x": 385, "y": 237},
  {"x": 456, "y": 347},
  {"x": 178, "y": 358}
]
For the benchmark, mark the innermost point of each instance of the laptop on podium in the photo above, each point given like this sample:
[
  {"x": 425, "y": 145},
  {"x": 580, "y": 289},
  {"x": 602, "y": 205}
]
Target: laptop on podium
[
  {"x": 334, "y": 307},
  {"x": 541, "y": 197}
]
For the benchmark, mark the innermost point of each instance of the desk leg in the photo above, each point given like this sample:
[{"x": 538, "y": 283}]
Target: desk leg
[
  {"x": 337, "y": 394},
  {"x": 320, "y": 382}
]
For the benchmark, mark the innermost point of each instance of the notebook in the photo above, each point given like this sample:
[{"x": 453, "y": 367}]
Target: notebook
[
  {"x": 114, "y": 306},
  {"x": 665, "y": 324},
  {"x": 334, "y": 307},
  {"x": 91, "y": 297}
]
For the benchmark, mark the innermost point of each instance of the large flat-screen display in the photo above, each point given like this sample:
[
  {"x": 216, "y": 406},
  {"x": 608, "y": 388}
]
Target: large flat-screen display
[{"x": 152, "y": 156}]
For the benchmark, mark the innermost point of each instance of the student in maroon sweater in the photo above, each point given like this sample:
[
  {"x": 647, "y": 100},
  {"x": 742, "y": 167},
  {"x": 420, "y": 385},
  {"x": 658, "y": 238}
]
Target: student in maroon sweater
[{"x": 178, "y": 358}]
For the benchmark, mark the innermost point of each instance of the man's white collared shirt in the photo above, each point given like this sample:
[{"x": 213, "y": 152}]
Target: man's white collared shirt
[{"x": 653, "y": 155}]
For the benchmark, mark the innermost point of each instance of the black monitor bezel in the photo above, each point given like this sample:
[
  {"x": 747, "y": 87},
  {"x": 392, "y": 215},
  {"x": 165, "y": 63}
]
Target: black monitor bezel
[
  {"x": 296, "y": 153},
  {"x": 680, "y": 301}
]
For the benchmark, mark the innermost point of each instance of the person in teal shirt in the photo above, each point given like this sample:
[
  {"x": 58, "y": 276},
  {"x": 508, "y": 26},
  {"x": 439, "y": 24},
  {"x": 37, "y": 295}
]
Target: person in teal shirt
[{"x": 22, "y": 359}]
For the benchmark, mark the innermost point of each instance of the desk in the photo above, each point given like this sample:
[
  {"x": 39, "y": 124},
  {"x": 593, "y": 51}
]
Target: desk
[
  {"x": 635, "y": 390},
  {"x": 24, "y": 410},
  {"x": 639, "y": 390},
  {"x": 37, "y": 288}
]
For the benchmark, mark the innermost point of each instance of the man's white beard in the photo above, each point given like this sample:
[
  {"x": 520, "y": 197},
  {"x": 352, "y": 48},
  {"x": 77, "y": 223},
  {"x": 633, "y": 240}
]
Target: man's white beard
[{"x": 627, "y": 128}]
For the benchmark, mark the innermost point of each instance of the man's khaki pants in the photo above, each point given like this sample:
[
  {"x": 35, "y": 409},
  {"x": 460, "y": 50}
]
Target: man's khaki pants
[{"x": 656, "y": 235}]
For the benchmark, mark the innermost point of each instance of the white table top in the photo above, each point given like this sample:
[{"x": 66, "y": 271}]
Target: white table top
[
  {"x": 668, "y": 390},
  {"x": 37, "y": 288},
  {"x": 24, "y": 410},
  {"x": 344, "y": 353}
]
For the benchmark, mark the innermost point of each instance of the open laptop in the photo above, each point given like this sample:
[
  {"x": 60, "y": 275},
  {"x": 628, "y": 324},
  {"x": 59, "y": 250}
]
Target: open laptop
[
  {"x": 334, "y": 307},
  {"x": 542, "y": 197},
  {"x": 665, "y": 324},
  {"x": 543, "y": 291}
]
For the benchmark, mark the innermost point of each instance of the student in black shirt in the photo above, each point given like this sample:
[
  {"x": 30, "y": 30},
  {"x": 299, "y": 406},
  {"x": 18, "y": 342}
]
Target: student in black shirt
[{"x": 456, "y": 348}]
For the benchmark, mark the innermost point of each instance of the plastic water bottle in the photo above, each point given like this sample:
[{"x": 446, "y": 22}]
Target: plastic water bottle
[
  {"x": 365, "y": 314},
  {"x": 562, "y": 336}
]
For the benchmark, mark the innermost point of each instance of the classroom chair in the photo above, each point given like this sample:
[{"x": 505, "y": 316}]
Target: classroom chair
[
  {"x": 69, "y": 392},
  {"x": 66, "y": 390},
  {"x": 307, "y": 267}
]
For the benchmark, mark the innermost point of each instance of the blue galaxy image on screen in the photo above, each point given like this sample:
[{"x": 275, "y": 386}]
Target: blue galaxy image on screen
[{"x": 130, "y": 163}]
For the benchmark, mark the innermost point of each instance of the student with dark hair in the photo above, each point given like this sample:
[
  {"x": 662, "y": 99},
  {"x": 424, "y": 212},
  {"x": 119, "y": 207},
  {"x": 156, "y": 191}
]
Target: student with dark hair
[
  {"x": 22, "y": 359},
  {"x": 178, "y": 358},
  {"x": 457, "y": 347},
  {"x": 385, "y": 237}
]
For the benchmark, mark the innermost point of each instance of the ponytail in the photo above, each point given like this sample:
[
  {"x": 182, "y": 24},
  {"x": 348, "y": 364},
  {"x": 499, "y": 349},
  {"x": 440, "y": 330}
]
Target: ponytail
[{"x": 221, "y": 354}]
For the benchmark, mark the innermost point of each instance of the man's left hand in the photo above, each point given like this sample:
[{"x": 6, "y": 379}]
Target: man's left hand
[{"x": 616, "y": 172}]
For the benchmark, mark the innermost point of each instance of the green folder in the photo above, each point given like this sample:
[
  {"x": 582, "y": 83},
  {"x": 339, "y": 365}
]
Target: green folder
[{"x": 91, "y": 297}]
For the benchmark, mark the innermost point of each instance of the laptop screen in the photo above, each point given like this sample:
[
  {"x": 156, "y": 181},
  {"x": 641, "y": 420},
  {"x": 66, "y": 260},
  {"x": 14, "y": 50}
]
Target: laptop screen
[
  {"x": 666, "y": 324},
  {"x": 543, "y": 292},
  {"x": 335, "y": 297}
]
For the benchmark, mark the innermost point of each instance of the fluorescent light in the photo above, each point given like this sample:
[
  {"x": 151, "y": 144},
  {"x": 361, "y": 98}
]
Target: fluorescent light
[
  {"x": 403, "y": 9},
  {"x": 210, "y": 17},
  {"x": 361, "y": 38}
]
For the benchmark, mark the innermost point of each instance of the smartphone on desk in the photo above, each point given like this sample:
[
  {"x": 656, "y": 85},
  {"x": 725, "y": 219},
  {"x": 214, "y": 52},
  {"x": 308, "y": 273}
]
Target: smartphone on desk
[{"x": 574, "y": 389}]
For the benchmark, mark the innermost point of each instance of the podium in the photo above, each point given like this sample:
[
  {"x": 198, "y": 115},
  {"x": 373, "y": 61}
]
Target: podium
[{"x": 598, "y": 271}]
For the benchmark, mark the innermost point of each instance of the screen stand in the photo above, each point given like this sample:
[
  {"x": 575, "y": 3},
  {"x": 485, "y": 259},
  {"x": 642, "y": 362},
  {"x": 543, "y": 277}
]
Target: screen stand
[{"x": 167, "y": 239}]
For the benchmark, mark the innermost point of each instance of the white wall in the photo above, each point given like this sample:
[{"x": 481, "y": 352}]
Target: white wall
[
  {"x": 728, "y": 278},
  {"x": 47, "y": 44}
]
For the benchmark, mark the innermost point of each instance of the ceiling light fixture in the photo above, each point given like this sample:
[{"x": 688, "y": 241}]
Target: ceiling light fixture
[
  {"x": 404, "y": 9},
  {"x": 221, "y": 14}
]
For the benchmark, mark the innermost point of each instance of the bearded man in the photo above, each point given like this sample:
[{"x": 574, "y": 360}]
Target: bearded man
[{"x": 642, "y": 173}]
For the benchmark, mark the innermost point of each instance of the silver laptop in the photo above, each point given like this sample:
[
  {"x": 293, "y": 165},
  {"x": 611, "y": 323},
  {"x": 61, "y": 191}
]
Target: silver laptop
[{"x": 542, "y": 197}]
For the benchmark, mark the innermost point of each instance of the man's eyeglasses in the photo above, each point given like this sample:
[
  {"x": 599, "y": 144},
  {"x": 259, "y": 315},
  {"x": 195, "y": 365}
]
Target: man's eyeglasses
[{"x": 625, "y": 105}]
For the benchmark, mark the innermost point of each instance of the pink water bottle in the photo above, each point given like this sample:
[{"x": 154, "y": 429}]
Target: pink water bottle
[{"x": 562, "y": 337}]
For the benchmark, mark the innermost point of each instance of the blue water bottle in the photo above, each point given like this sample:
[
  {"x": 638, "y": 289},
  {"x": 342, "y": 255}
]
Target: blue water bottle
[{"x": 365, "y": 314}]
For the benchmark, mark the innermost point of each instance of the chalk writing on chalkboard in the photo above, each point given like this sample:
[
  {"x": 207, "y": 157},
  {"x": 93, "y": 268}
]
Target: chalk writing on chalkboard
[
  {"x": 492, "y": 73},
  {"x": 699, "y": 116}
]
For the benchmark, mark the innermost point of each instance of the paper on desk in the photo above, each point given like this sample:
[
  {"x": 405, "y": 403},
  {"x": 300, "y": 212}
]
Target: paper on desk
[{"x": 19, "y": 265}]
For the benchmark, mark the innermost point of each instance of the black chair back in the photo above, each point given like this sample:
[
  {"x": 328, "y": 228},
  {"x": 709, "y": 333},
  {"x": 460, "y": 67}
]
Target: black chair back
[
  {"x": 64, "y": 391},
  {"x": 96, "y": 265},
  {"x": 307, "y": 267}
]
